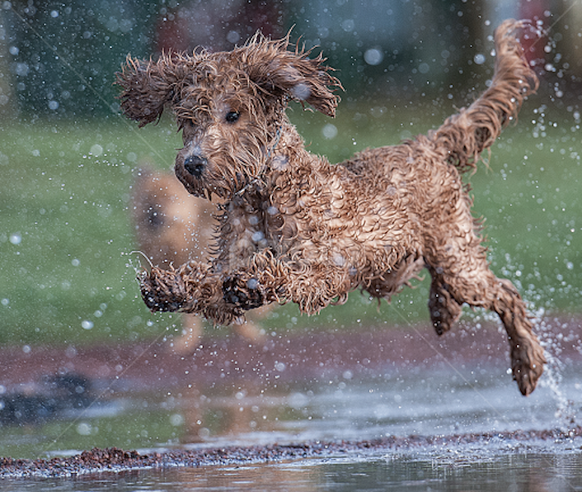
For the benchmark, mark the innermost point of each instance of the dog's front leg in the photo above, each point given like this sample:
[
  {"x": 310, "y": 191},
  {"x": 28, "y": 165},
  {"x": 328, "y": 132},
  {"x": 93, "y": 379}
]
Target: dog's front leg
[
  {"x": 192, "y": 288},
  {"x": 311, "y": 285}
]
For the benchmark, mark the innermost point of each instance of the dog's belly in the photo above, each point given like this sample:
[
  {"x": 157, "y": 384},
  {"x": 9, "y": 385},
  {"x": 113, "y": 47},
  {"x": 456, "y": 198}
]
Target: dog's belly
[{"x": 383, "y": 285}]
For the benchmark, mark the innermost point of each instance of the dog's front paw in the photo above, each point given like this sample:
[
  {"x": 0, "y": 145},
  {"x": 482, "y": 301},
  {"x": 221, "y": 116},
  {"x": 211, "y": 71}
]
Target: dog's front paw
[
  {"x": 161, "y": 290},
  {"x": 243, "y": 293}
]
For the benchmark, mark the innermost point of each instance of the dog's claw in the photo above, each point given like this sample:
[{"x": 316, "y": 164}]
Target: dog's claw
[{"x": 155, "y": 306}]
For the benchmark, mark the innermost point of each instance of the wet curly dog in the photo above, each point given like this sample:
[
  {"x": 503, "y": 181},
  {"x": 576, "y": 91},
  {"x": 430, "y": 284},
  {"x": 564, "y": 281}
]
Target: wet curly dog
[{"x": 296, "y": 228}]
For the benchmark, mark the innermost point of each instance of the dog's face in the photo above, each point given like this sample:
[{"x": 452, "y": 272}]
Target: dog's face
[
  {"x": 227, "y": 129},
  {"x": 229, "y": 106}
]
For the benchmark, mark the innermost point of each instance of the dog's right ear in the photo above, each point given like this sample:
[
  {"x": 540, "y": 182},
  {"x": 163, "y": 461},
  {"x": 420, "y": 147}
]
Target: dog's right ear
[{"x": 147, "y": 88}]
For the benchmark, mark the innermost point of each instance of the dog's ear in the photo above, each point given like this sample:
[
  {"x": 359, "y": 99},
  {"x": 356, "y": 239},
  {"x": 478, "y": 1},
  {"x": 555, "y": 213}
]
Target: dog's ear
[
  {"x": 292, "y": 74},
  {"x": 147, "y": 87}
]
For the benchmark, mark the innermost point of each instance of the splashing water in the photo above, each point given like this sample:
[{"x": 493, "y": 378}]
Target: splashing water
[
  {"x": 553, "y": 372},
  {"x": 565, "y": 412},
  {"x": 136, "y": 264}
]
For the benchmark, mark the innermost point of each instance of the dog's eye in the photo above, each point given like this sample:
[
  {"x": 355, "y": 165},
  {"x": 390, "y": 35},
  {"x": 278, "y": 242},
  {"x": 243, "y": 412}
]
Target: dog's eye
[{"x": 232, "y": 116}]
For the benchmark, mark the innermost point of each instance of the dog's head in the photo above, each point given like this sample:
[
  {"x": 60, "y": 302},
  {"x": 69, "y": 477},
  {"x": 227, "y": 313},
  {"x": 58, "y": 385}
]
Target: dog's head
[{"x": 229, "y": 106}]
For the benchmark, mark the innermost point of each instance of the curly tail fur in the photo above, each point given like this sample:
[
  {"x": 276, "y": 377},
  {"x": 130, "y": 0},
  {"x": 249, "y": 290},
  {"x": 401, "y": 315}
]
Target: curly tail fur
[{"x": 465, "y": 135}]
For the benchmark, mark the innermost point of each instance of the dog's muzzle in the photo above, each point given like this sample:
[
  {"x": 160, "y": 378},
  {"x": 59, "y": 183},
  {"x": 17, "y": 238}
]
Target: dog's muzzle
[{"x": 195, "y": 165}]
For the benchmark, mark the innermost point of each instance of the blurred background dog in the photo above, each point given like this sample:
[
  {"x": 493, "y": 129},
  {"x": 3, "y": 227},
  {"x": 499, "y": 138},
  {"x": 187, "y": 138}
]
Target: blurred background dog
[{"x": 173, "y": 227}]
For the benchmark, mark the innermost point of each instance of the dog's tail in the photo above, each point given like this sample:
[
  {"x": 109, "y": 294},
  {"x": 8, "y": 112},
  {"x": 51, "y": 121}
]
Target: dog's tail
[{"x": 465, "y": 135}]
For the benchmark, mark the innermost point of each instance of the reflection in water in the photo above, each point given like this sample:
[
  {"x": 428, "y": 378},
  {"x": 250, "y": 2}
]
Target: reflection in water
[{"x": 390, "y": 405}]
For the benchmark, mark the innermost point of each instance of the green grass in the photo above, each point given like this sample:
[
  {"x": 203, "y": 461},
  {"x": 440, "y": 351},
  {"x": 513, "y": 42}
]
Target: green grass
[{"x": 66, "y": 275}]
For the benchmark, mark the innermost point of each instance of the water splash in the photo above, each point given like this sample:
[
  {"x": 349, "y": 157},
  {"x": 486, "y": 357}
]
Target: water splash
[
  {"x": 137, "y": 264},
  {"x": 565, "y": 411},
  {"x": 550, "y": 342}
]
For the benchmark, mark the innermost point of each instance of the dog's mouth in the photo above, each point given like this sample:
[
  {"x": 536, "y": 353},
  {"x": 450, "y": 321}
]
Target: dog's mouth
[
  {"x": 203, "y": 177},
  {"x": 195, "y": 173}
]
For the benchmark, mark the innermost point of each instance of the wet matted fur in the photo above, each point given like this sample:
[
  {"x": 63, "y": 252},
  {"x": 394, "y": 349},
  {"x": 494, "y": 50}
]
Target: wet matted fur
[{"x": 295, "y": 228}]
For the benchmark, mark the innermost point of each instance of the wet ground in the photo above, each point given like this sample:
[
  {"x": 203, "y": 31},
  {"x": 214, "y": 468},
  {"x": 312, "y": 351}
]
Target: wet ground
[{"x": 372, "y": 410}]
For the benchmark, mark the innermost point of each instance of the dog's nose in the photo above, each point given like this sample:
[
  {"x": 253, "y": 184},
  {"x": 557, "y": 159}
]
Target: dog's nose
[{"x": 195, "y": 165}]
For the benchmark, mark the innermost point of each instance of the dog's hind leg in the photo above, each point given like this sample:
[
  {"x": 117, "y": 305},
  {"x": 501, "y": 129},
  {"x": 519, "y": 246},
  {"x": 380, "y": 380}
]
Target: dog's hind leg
[
  {"x": 471, "y": 281},
  {"x": 444, "y": 309},
  {"x": 527, "y": 356}
]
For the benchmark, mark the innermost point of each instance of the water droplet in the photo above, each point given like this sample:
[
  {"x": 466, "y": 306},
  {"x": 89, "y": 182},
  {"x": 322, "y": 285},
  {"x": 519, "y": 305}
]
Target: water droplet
[
  {"x": 84, "y": 429},
  {"x": 348, "y": 25},
  {"x": 423, "y": 68},
  {"x": 373, "y": 56},
  {"x": 329, "y": 131},
  {"x": 479, "y": 59},
  {"x": 96, "y": 150},
  {"x": 233, "y": 37}
]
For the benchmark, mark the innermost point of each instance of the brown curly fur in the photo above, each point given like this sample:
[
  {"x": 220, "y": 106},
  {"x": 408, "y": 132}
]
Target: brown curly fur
[
  {"x": 296, "y": 228},
  {"x": 173, "y": 227}
]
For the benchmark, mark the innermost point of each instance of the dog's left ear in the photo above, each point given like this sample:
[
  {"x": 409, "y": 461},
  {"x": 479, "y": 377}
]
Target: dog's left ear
[{"x": 292, "y": 74}]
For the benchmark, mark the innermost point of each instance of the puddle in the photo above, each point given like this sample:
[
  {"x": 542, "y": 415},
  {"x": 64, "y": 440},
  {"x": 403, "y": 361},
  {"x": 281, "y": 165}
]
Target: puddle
[
  {"x": 462, "y": 469},
  {"x": 521, "y": 472}
]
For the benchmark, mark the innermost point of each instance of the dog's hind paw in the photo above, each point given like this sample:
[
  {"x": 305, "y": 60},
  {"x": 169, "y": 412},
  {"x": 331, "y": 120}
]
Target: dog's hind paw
[
  {"x": 527, "y": 369},
  {"x": 245, "y": 294},
  {"x": 527, "y": 378}
]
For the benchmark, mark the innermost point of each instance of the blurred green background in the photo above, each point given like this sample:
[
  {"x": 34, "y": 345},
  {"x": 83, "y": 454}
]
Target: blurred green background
[{"x": 68, "y": 160}]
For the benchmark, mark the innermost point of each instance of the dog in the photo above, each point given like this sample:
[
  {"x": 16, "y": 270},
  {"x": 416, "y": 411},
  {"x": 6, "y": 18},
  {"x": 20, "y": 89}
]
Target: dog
[
  {"x": 173, "y": 227},
  {"x": 295, "y": 228}
]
